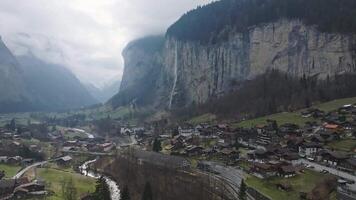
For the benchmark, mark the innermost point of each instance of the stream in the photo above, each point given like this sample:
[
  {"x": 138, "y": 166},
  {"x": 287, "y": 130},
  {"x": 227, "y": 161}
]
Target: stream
[{"x": 113, "y": 187}]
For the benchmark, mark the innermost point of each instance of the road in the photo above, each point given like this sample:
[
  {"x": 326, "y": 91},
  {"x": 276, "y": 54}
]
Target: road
[
  {"x": 336, "y": 172},
  {"x": 23, "y": 171}
]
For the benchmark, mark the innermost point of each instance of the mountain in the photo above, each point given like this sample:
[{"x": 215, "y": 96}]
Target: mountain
[
  {"x": 106, "y": 92},
  {"x": 13, "y": 96},
  {"x": 142, "y": 82},
  {"x": 53, "y": 87},
  {"x": 214, "y": 50},
  {"x": 30, "y": 84}
]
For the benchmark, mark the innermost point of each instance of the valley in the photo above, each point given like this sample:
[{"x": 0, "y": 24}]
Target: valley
[{"x": 235, "y": 100}]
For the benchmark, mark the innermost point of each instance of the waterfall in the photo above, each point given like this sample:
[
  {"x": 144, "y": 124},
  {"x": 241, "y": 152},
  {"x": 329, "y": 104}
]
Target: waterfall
[{"x": 175, "y": 71}]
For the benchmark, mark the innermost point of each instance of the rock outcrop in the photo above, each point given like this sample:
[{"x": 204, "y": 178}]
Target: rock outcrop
[
  {"x": 181, "y": 73},
  {"x": 205, "y": 71}
]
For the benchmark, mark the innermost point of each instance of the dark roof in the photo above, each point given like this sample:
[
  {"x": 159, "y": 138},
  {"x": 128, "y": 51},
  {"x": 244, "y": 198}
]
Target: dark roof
[
  {"x": 351, "y": 161},
  {"x": 262, "y": 166},
  {"x": 7, "y": 183},
  {"x": 311, "y": 145},
  {"x": 288, "y": 169}
]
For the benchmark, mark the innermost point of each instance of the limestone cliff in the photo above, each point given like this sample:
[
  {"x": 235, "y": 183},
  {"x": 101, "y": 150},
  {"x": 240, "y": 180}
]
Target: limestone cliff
[
  {"x": 199, "y": 71},
  {"x": 180, "y": 73}
]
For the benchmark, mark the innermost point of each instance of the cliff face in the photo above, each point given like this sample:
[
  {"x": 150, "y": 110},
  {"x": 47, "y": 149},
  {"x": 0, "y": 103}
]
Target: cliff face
[
  {"x": 184, "y": 72},
  {"x": 143, "y": 80},
  {"x": 198, "y": 72}
]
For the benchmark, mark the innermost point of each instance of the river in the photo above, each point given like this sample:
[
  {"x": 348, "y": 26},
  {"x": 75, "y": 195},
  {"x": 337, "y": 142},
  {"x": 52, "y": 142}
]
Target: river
[{"x": 113, "y": 187}]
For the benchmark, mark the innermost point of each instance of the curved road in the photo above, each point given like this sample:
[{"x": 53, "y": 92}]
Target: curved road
[{"x": 23, "y": 171}]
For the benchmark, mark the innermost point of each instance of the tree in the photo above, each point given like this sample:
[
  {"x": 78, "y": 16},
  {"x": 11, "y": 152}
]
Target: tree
[
  {"x": 12, "y": 125},
  {"x": 157, "y": 145},
  {"x": 102, "y": 191},
  {"x": 147, "y": 193},
  {"x": 69, "y": 192},
  {"x": 125, "y": 194},
  {"x": 242, "y": 191}
]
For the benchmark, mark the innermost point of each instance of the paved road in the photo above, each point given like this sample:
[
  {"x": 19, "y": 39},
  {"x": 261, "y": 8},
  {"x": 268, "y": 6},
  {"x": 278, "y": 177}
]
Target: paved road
[
  {"x": 23, "y": 171},
  {"x": 319, "y": 168}
]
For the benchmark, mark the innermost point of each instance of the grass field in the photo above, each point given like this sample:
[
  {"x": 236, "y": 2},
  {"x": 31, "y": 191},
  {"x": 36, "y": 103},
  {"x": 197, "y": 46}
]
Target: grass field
[
  {"x": 203, "y": 118},
  {"x": 295, "y": 117},
  {"x": 54, "y": 177},
  {"x": 300, "y": 183},
  {"x": 348, "y": 145},
  {"x": 10, "y": 171}
]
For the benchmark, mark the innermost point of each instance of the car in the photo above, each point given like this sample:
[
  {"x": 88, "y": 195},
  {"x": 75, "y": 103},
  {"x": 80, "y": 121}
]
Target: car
[
  {"x": 310, "y": 167},
  {"x": 325, "y": 171}
]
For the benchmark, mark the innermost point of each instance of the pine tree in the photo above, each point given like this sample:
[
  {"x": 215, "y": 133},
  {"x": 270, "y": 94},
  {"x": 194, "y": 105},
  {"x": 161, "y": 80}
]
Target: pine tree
[
  {"x": 125, "y": 194},
  {"x": 12, "y": 125},
  {"x": 242, "y": 192},
  {"x": 102, "y": 191},
  {"x": 147, "y": 193},
  {"x": 157, "y": 145}
]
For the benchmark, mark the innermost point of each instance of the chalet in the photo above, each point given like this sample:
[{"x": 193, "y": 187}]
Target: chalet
[
  {"x": 263, "y": 170},
  {"x": 106, "y": 147},
  {"x": 349, "y": 165},
  {"x": 36, "y": 187},
  {"x": 222, "y": 127},
  {"x": 287, "y": 171},
  {"x": 260, "y": 155},
  {"x": 26, "y": 162},
  {"x": 231, "y": 154},
  {"x": 14, "y": 160},
  {"x": 290, "y": 156},
  {"x": 186, "y": 131},
  {"x": 7, "y": 186},
  {"x": 333, "y": 127},
  {"x": 309, "y": 149},
  {"x": 64, "y": 161},
  {"x": 194, "y": 150},
  {"x": 334, "y": 158},
  {"x": 125, "y": 131},
  {"x": 69, "y": 148},
  {"x": 288, "y": 128},
  {"x": 3, "y": 159},
  {"x": 266, "y": 135}
]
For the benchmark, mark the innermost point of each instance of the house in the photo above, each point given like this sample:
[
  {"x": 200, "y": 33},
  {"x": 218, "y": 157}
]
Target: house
[
  {"x": 106, "y": 147},
  {"x": 194, "y": 150},
  {"x": 309, "y": 149},
  {"x": 7, "y": 186},
  {"x": 266, "y": 135},
  {"x": 231, "y": 154},
  {"x": 64, "y": 161},
  {"x": 334, "y": 158},
  {"x": 3, "y": 159},
  {"x": 26, "y": 162},
  {"x": 263, "y": 170},
  {"x": 333, "y": 127},
  {"x": 14, "y": 160},
  {"x": 186, "y": 131},
  {"x": 68, "y": 148},
  {"x": 349, "y": 165},
  {"x": 287, "y": 171}
]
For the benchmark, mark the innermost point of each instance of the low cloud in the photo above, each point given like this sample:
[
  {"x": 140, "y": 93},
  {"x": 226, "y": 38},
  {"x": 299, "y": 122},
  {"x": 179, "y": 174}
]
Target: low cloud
[{"x": 87, "y": 36}]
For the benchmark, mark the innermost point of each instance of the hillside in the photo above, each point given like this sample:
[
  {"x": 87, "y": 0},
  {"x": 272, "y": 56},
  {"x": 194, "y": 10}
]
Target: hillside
[
  {"x": 216, "y": 21},
  {"x": 216, "y": 51},
  {"x": 53, "y": 86},
  {"x": 30, "y": 84},
  {"x": 13, "y": 96}
]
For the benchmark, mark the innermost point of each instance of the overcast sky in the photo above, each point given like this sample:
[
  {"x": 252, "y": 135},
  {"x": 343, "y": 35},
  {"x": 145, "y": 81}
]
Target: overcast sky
[{"x": 87, "y": 36}]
